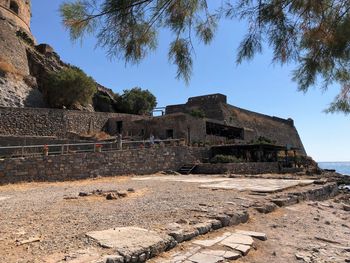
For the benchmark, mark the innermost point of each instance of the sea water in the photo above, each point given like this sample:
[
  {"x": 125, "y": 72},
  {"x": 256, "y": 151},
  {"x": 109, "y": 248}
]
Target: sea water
[{"x": 339, "y": 167}]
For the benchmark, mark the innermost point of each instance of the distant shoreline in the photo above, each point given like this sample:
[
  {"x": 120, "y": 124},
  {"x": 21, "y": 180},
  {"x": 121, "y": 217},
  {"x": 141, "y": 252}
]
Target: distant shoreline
[
  {"x": 336, "y": 162},
  {"x": 339, "y": 167}
]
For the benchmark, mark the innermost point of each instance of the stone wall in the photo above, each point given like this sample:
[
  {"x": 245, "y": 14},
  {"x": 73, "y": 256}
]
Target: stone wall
[
  {"x": 280, "y": 131},
  {"x": 182, "y": 126},
  {"x": 52, "y": 122},
  {"x": 237, "y": 168},
  {"x": 87, "y": 165}
]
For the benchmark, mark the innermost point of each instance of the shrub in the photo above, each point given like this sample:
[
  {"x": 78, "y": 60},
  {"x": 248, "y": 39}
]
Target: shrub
[
  {"x": 136, "y": 101},
  {"x": 103, "y": 102},
  {"x": 23, "y": 35},
  {"x": 263, "y": 140},
  {"x": 225, "y": 159},
  {"x": 7, "y": 68},
  {"x": 197, "y": 113},
  {"x": 68, "y": 87}
]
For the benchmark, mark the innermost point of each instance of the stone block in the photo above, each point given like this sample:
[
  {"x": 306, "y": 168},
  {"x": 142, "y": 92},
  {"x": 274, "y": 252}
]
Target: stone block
[
  {"x": 258, "y": 235},
  {"x": 238, "y": 239}
]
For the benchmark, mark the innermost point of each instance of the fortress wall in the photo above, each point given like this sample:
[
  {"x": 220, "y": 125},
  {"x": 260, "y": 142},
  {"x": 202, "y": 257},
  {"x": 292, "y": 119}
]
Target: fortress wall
[
  {"x": 255, "y": 125},
  {"x": 87, "y": 165},
  {"x": 22, "y": 19},
  {"x": 52, "y": 122},
  {"x": 12, "y": 49},
  {"x": 281, "y": 131},
  {"x": 16, "y": 20}
]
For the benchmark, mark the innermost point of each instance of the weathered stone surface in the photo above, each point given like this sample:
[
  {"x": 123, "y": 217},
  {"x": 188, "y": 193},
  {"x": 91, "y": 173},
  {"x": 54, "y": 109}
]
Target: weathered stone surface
[
  {"x": 190, "y": 234},
  {"x": 224, "y": 219},
  {"x": 213, "y": 256},
  {"x": 244, "y": 249},
  {"x": 205, "y": 258},
  {"x": 203, "y": 228},
  {"x": 232, "y": 255},
  {"x": 178, "y": 235},
  {"x": 215, "y": 224},
  {"x": 257, "y": 185},
  {"x": 266, "y": 208},
  {"x": 219, "y": 253},
  {"x": 113, "y": 259},
  {"x": 222, "y": 253},
  {"x": 211, "y": 242},
  {"x": 239, "y": 217},
  {"x": 258, "y": 235},
  {"x": 238, "y": 239},
  {"x": 17, "y": 93},
  {"x": 124, "y": 241}
]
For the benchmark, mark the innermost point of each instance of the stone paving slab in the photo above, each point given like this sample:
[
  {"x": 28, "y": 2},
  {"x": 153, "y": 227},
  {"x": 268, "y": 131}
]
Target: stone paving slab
[
  {"x": 125, "y": 237},
  {"x": 211, "y": 242},
  {"x": 258, "y": 235},
  {"x": 182, "y": 178},
  {"x": 131, "y": 244},
  {"x": 244, "y": 249},
  {"x": 205, "y": 258},
  {"x": 227, "y": 246},
  {"x": 240, "y": 184},
  {"x": 222, "y": 253},
  {"x": 257, "y": 185},
  {"x": 238, "y": 239}
]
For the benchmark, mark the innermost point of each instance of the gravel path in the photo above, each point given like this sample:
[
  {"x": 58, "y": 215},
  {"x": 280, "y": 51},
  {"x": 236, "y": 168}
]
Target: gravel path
[{"x": 46, "y": 211}]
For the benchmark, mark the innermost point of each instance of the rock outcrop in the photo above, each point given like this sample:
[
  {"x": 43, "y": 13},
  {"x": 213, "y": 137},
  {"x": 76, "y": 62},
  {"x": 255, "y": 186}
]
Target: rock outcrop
[{"x": 25, "y": 66}]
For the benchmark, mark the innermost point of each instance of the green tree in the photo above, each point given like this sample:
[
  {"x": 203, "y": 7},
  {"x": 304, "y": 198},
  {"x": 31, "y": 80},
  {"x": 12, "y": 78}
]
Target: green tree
[
  {"x": 314, "y": 34},
  {"x": 68, "y": 87},
  {"x": 136, "y": 101}
]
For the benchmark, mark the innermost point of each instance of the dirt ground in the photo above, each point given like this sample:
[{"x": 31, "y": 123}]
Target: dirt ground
[
  {"x": 306, "y": 232},
  {"x": 314, "y": 232},
  {"x": 56, "y": 219}
]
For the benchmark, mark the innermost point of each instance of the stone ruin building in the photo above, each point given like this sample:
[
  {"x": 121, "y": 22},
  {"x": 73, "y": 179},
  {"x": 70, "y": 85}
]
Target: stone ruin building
[{"x": 209, "y": 120}]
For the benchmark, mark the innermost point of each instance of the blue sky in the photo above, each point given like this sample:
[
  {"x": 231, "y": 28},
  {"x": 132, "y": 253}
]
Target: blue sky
[{"x": 257, "y": 85}]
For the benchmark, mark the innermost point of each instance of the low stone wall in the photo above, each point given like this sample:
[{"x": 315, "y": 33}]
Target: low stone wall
[
  {"x": 237, "y": 168},
  {"x": 87, "y": 165}
]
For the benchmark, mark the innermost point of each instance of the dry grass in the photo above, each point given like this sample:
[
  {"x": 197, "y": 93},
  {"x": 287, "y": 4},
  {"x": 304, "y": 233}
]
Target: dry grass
[
  {"x": 99, "y": 136},
  {"x": 8, "y": 68}
]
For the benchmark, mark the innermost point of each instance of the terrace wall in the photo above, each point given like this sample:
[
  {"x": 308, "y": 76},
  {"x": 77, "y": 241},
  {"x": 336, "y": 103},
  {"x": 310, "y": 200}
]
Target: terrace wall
[
  {"x": 88, "y": 165},
  {"x": 53, "y": 122}
]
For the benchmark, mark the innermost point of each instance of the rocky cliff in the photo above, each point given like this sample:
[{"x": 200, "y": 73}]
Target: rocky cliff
[{"x": 24, "y": 67}]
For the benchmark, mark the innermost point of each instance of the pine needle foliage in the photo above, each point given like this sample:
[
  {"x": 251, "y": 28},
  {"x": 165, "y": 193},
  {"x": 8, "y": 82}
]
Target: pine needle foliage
[{"x": 313, "y": 34}]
